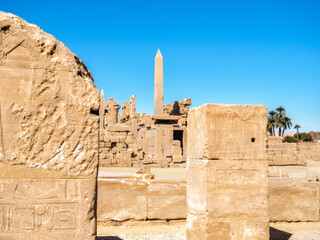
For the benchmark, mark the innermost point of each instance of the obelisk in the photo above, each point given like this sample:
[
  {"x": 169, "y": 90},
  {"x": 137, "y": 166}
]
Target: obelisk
[{"x": 158, "y": 84}]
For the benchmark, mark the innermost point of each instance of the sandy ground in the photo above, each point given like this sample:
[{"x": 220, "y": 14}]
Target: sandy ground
[{"x": 175, "y": 230}]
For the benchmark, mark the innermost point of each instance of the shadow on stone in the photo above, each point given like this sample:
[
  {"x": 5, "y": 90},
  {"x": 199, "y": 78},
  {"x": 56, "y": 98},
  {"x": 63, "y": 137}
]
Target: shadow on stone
[
  {"x": 108, "y": 238},
  {"x": 276, "y": 234}
]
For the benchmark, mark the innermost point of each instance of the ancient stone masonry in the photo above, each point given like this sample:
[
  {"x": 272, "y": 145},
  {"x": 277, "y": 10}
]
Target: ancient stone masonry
[
  {"x": 132, "y": 139},
  {"x": 180, "y": 108},
  {"x": 227, "y": 185},
  {"x": 48, "y": 137},
  {"x": 280, "y": 153},
  {"x": 139, "y": 197}
]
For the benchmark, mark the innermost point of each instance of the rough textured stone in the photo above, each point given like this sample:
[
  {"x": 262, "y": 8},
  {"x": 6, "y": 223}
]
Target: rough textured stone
[
  {"x": 121, "y": 199},
  {"x": 222, "y": 132},
  {"x": 291, "y": 202},
  {"x": 167, "y": 200},
  {"x": 227, "y": 184},
  {"x": 48, "y": 137}
]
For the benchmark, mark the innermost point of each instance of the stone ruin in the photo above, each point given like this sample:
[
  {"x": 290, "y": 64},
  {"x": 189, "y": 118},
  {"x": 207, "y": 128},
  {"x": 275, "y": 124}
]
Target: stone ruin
[
  {"x": 48, "y": 137},
  {"x": 134, "y": 140},
  {"x": 227, "y": 168},
  {"x": 55, "y": 127}
]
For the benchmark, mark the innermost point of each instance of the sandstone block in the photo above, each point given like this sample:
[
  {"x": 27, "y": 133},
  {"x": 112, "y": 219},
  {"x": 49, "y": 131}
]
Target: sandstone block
[
  {"x": 48, "y": 137},
  {"x": 121, "y": 200},
  {"x": 227, "y": 183},
  {"x": 167, "y": 200},
  {"x": 115, "y": 128},
  {"x": 291, "y": 202},
  {"x": 223, "y": 132}
]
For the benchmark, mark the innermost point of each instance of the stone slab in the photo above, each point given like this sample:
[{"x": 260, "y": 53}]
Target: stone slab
[
  {"x": 121, "y": 199},
  {"x": 291, "y": 202},
  {"x": 167, "y": 200}
]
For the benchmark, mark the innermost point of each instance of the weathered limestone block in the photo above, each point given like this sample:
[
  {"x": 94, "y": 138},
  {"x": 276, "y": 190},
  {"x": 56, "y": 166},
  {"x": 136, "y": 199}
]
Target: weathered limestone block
[
  {"x": 227, "y": 185},
  {"x": 167, "y": 200},
  {"x": 221, "y": 132},
  {"x": 291, "y": 202},
  {"x": 48, "y": 137},
  {"x": 121, "y": 200}
]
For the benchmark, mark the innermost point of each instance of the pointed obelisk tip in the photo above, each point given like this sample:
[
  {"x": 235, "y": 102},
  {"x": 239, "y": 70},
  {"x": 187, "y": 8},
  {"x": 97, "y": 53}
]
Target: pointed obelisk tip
[
  {"x": 102, "y": 92},
  {"x": 158, "y": 54}
]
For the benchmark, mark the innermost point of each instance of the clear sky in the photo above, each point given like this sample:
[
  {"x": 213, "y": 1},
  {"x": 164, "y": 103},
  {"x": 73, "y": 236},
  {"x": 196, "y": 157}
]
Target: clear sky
[{"x": 236, "y": 52}]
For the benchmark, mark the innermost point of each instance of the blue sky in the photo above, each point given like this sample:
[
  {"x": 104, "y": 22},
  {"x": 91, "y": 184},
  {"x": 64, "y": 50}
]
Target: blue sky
[{"x": 235, "y": 52}]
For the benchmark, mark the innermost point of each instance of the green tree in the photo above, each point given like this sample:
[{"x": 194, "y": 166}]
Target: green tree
[
  {"x": 286, "y": 123},
  {"x": 272, "y": 122},
  {"x": 297, "y": 126},
  {"x": 305, "y": 137},
  {"x": 289, "y": 139},
  {"x": 279, "y": 119}
]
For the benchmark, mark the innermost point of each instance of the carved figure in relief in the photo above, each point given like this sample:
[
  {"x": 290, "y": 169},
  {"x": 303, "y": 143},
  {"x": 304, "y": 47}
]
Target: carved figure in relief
[{"x": 1, "y": 139}]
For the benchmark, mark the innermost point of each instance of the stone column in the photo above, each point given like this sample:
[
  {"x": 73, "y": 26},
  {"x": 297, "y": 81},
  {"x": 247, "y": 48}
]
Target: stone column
[
  {"x": 227, "y": 185},
  {"x": 132, "y": 109},
  {"x": 158, "y": 84}
]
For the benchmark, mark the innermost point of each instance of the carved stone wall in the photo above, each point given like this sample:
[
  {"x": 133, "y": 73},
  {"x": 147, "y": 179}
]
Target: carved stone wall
[
  {"x": 227, "y": 185},
  {"x": 48, "y": 137}
]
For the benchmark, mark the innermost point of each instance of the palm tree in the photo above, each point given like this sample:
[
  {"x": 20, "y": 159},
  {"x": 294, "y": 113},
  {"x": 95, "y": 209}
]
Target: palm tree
[
  {"x": 281, "y": 114},
  {"x": 297, "y": 126},
  {"x": 272, "y": 122},
  {"x": 286, "y": 124}
]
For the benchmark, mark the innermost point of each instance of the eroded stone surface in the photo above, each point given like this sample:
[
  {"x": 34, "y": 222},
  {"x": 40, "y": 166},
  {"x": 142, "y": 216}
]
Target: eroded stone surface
[
  {"x": 227, "y": 184},
  {"x": 48, "y": 136},
  {"x": 120, "y": 200},
  {"x": 167, "y": 200},
  {"x": 290, "y": 202},
  {"x": 227, "y": 132}
]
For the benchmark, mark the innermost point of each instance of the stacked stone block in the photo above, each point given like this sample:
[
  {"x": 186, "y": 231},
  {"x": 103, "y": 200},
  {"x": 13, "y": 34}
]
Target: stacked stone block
[
  {"x": 284, "y": 153},
  {"x": 117, "y": 147},
  {"x": 227, "y": 185}
]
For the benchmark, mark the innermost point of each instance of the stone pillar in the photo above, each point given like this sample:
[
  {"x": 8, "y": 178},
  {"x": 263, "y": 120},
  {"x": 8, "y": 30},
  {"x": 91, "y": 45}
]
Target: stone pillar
[
  {"x": 111, "y": 116},
  {"x": 227, "y": 185},
  {"x": 158, "y": 84},
  {"x": 132, "y": 109}
]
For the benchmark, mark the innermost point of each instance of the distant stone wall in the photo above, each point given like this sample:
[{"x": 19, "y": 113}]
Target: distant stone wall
[
  {"x": 133, "y": 198},
  {"x": 280, "y": 153},
  {"x": 140, "y": 199}
]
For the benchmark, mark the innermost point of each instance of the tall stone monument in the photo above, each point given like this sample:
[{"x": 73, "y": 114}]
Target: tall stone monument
[
  {"x": 158, "y": 84},
  {"x": 227, "y": 185},
  {"x": 48, "y": 137}
]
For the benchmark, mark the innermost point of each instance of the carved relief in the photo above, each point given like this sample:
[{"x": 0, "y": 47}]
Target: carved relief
[
  {"x": 2, "y": 155},
  {"x": 47, "y": 106},
  {"x": 54, "y": 206}
]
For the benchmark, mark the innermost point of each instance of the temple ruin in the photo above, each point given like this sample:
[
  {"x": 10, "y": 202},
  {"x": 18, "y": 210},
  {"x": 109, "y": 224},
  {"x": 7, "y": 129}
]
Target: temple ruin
[
  {"x": 69, "y": 159},
  {"x": 132, "y": 139}
]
